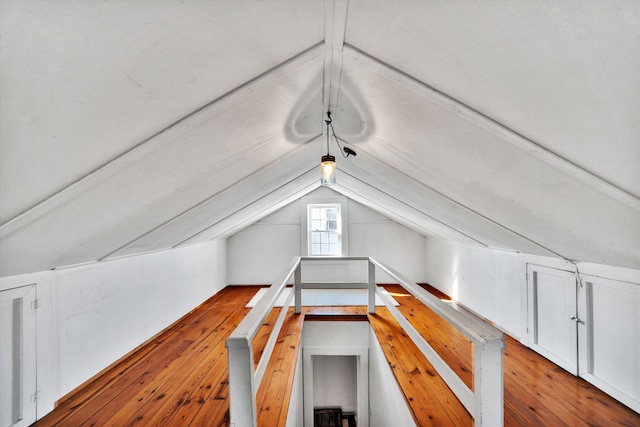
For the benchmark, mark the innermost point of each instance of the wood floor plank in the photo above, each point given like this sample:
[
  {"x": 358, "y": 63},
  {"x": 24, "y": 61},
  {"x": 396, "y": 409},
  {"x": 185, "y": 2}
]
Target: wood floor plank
[
  {"x": 263, "y": 334},
  {"x": 424, "y": 390},
  {"x": 215, "y": 408},
  {"x": 179, "y": 389},
  {"x": 546, "y": 385},
  {"x": 123, "y": 389},
  {"x": 274, "y": 393},
  {"x": 78, "y": 397},
  {"x": 195, "y": 398}
]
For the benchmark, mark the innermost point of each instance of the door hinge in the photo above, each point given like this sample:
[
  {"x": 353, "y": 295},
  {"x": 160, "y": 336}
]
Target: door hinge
[
  {"x": 34, "y": 397},
  {"x": 35, "y": 304}
]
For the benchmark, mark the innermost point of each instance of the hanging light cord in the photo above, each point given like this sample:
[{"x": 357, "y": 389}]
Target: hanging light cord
[{"x": 329, "y": 123}]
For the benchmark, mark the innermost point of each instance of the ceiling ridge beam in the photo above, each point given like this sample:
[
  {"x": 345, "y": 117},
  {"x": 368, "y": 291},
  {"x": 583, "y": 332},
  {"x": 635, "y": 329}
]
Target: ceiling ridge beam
[
  {"x": 162, "y": 136},
  {"x": 495, "y": 127},
  {"x": 204, "y": 201},
  {"x": 335, "y": 26}
]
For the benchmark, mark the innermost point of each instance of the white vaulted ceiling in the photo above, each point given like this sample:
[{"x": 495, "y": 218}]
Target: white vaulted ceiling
[{"x": 133, "y": 126}]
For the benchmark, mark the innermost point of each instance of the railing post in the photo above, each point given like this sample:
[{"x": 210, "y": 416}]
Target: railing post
[
  {"x": 488, "y": 385},
  {"x": 297, "y": 288},
  {"x": 372, "y": 287},
  {"x": 242, "y": 406}
]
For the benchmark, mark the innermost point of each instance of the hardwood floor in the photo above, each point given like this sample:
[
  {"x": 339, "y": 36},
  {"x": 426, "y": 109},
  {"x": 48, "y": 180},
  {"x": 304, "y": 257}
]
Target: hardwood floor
[{"x": 180, "y": 378}]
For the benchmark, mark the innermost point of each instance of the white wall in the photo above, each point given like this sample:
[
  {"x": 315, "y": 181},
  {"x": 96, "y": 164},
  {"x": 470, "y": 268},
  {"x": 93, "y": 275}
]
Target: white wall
[
  {"x": 489, "y": 282},
  {"x": 335, "y": 381},
  {"x": 259, "y": 253},
  {"x": 92, "y": 315},
  {"x": 321, "y": 342},
  {"x": 335, "y": 339}
]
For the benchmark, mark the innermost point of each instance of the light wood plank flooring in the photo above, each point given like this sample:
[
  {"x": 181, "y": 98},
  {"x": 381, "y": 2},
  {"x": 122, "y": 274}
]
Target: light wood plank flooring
[{"x": 180, "y": 377}]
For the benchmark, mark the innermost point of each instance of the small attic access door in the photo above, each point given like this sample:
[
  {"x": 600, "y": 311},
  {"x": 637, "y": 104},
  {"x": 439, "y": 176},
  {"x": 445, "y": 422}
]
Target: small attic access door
[
  {"x": 552, "y": 315},
  {"x": 18, "y": 357}
]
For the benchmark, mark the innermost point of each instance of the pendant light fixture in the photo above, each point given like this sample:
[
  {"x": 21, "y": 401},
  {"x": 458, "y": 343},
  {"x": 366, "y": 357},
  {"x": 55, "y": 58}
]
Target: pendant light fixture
[
  {"x": 328, "y": 162},
  {"x": 328, "y": 170}
]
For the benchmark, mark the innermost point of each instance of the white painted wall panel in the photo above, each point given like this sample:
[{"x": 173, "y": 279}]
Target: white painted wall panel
[
  {"x": 489, "y": 282},
  {"x": 92, "y": 315},
  {"x": 377, "y": 236},
  {"x": 105, "y": 310},
  {"x": 18, "y": 357},
  {"x": 335, "y": 381},
  {"x": 257, "y": 254},
  {"x": 551, "y": 312},
  {"x": 611, "y": 338}
]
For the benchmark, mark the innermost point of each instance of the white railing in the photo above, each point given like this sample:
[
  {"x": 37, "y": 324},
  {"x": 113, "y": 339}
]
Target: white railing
[{"x": 484, "y": 402}]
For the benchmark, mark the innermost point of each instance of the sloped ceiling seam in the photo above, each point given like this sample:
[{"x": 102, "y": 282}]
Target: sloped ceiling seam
[
  {"x": 468, "y": 209},
  {"x": 494, "y": 126},
  {"x": 246, "y": 206},
  {"x": 239, "y": 226},
  {"x": 157, "y": 138},
  {"x": 211, "y": 197},
  {"x": 414, "y": 208}
]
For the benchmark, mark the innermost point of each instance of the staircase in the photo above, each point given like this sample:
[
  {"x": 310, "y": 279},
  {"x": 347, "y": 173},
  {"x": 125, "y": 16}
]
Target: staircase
[{"x": 462, "y": 385}]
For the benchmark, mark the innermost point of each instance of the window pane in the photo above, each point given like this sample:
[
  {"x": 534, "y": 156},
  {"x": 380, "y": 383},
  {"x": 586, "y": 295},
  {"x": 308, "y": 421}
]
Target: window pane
[{"x": 324, "y": 230}]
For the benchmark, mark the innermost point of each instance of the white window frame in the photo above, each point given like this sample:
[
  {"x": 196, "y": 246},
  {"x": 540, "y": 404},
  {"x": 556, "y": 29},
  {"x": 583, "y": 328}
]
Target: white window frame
[
  {"x": 310, "y": 230},
  {"x": 305, "y": 212}
]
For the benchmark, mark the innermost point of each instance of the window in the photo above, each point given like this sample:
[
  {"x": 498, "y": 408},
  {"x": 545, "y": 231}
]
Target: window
[{"x": 324, "y": 227}]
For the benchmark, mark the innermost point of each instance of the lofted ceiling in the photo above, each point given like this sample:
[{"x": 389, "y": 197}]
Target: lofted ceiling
[{"x": 134, "y": 126}]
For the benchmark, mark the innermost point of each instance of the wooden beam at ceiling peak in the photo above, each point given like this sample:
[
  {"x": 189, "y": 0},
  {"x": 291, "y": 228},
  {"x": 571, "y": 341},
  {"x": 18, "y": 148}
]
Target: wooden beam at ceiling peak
[{"x": 335, "y": 24}]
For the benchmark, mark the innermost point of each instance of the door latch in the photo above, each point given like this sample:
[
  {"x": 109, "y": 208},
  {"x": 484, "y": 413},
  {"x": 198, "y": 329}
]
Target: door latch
[{"x": 578, "y": 320}]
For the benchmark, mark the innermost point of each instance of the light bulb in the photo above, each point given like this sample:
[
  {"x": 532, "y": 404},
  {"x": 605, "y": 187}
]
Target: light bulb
[{"x": 328, "y": 170}]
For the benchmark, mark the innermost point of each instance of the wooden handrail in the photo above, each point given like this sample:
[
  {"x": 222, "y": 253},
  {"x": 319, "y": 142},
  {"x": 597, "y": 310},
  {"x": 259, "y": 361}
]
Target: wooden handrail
[
  {"x": 249, "y": 326},
  {"x": 484, "y": 402},
  {"x": 243, "y": 381},
  {"x": 469, "y": 325}
]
